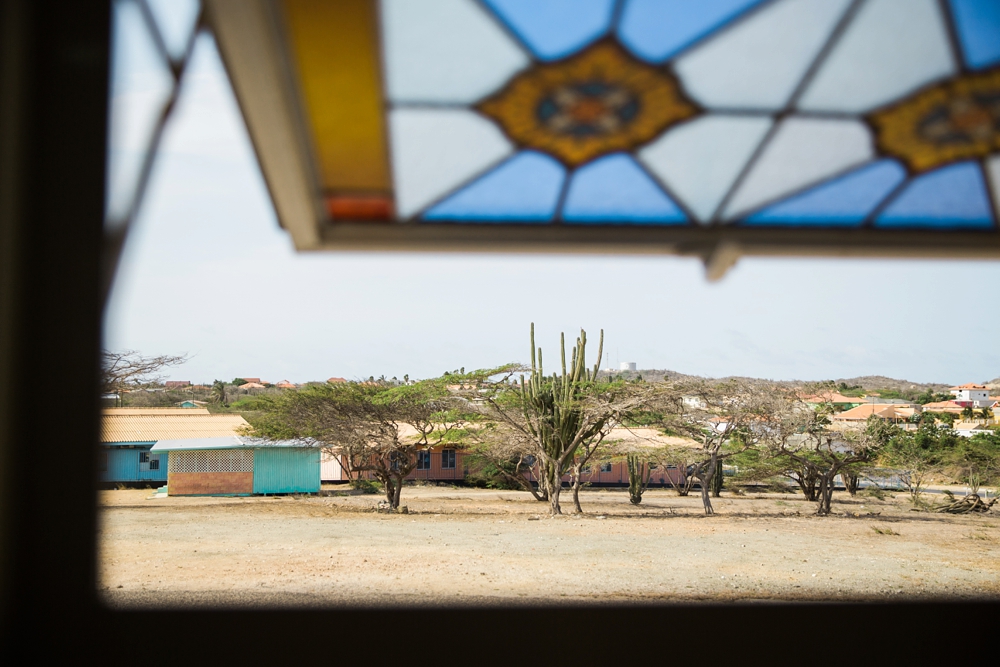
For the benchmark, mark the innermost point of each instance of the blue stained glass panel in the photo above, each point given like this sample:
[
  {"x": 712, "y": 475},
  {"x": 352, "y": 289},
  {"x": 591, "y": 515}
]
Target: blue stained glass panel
[
  {"x": 952, "y": 197},
  {"x": 841, "y": 202},
  {"x": 978, "y": 25},
  {"x": 616, "y": 189},
  {"x": 555, "y": 28},
  {"x": 657, "y": 29},
  {"x": 525, "y": 188}
]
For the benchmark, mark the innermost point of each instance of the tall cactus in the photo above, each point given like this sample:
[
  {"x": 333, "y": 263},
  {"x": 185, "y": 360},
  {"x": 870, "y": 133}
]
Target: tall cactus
[
  {"x": 554, "y": 413},
  {"x": 717, "y": 480},
  {"x": 638, "y": 477}
]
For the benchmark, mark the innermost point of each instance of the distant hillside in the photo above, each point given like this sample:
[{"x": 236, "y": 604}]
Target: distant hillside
[
  {"x": 649, "y": 375},
  {"x": 659, "y": 375},
  {"x": 870, "y": 383},
  {"x": 875, "y": 382}
]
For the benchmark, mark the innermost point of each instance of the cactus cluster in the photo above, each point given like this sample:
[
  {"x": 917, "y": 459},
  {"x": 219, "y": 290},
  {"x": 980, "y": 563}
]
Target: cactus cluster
[
  {"x": 554, "y": 414},
  {"x": 638, "y": 477}
]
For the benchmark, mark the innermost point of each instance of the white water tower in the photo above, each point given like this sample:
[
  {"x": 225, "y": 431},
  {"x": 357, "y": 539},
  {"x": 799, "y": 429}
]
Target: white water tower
[{"x": 626, "y": 366}]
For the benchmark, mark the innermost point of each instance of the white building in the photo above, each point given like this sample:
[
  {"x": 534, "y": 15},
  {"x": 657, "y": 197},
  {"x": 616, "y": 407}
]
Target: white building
[
  {"x": 330, "y": 469},
  {"x": 694, "y": 402},
  {"x": 967, "y": 430},
  {"x": 627, "y": 366},
  {"x": 975, "y": 395}
]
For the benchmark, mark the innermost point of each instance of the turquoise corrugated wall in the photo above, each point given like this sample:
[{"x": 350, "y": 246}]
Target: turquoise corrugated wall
[
  {"x": 123, "y": 465},
  {"x": 285, "y": 470}
]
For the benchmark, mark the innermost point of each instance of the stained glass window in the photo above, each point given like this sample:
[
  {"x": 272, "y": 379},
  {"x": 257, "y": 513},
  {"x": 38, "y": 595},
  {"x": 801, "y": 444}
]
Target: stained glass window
[
  {"x": 152, "y": 42},
  {"x": 833, "y": 114}
]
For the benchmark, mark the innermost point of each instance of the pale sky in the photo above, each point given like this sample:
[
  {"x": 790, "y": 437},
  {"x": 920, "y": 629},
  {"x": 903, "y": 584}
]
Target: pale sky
[{"x": 209, "y": 273}]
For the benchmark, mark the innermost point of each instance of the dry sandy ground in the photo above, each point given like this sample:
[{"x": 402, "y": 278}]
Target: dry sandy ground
[{"x": 489, "y": 547}]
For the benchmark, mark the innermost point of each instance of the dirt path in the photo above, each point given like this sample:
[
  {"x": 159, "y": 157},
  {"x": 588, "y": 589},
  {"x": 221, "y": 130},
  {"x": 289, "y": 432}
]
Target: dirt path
[{"x": 489, "y": 547}]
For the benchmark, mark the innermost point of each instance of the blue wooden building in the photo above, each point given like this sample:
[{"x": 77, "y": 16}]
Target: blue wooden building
[
  {"x": 128, "y": 436},
  {"x": 238, "y": 465}
]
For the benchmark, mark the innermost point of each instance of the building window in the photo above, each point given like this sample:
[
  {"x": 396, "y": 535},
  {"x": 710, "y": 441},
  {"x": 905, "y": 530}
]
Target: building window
[
  {"x": 148, "y": 462},
  {"x": 423, "y": 460},
  {"x": 605, "y": 467},
  {"x": 448, "y": 459}
]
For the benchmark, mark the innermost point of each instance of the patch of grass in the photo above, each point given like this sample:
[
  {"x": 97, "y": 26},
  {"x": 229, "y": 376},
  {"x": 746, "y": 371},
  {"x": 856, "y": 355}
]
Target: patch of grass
[
  {"x": 982, "y": 537},
  {"x": 884, "y": 530}
]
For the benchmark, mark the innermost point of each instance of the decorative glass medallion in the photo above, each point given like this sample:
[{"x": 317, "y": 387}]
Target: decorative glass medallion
[
  {"x": 955, "y": 120},
  {"x": 597, "y": 102}
]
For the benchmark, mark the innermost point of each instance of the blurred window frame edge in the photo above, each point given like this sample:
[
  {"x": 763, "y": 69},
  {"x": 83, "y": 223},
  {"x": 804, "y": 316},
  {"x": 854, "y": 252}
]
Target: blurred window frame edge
[{"x": 53, "y": 124}]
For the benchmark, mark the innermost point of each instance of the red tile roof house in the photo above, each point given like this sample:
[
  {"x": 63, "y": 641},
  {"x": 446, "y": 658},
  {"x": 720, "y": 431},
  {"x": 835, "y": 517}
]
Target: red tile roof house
[
  {"x": 177, "y": 384},
  {"x": 894, "y": 413},
  {"x": 953, "y": 407},
  {"x": 835, "y": 398},
  {"x": 285, "y": 384},
  {"x": 251, "y": 385}
]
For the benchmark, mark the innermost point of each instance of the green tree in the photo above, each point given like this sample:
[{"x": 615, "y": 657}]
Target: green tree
[
  {"x": 728, "y": 419},
  {"x": 802, "y": 436},
  {"x": 495, "y": 450},
  {"x": 373, "y": 427},
  {"x": 218, "y": 394},
  {"x": 929, "y": 396},
  {"x": 916, "y": 456},
  {"x": 683, "y": 459},
  {"x": 759, "y": 465}
]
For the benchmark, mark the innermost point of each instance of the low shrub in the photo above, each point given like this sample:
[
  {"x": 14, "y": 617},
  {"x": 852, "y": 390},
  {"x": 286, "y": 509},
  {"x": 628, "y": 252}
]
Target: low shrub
[
  {"x": 488, "y": 476},
  {"x": 366, "y": 486}
]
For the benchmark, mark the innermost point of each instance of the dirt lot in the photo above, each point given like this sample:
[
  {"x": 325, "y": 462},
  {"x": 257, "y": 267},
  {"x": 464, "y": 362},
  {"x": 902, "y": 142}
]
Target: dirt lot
[{"x": 488, "y": 547}]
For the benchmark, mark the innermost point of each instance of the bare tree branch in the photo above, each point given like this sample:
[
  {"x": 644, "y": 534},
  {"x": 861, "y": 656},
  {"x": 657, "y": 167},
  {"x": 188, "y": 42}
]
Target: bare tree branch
[{"x": 128, "y": 369}]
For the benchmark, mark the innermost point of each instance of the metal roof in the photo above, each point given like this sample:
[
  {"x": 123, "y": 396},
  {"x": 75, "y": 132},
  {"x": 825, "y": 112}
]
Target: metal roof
[
  {"x": 229, "y": 442},
  {"x": 144, "y": 426},
  {"x": 156, "y": 411}
]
